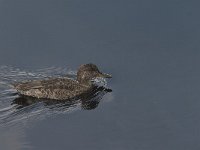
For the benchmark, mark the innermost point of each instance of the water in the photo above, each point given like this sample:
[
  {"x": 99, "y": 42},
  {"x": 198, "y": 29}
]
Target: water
[
  {"x": 151, "y": 48},
  {"x": 15, "y": 109}
]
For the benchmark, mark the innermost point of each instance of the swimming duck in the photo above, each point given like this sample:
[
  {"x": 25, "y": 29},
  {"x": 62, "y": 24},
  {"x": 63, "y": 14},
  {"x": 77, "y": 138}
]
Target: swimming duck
[{"x": 62, "y": 88}]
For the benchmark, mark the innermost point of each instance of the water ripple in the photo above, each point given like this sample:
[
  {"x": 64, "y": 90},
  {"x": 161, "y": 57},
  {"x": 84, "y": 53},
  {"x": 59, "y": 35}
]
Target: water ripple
[{"x": 15, "y": 109}]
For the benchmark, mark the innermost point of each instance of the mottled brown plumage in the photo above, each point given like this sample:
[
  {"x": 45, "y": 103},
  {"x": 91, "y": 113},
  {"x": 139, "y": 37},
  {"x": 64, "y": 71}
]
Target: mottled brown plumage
[{"x": 62, "y": 88}]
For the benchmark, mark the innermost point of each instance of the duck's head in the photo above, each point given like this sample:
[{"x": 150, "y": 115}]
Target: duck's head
[{"x": 87, "y": 72}]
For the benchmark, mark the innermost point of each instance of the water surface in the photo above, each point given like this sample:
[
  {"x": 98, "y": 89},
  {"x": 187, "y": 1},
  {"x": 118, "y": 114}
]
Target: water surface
[{"x": 151, "y": 48}]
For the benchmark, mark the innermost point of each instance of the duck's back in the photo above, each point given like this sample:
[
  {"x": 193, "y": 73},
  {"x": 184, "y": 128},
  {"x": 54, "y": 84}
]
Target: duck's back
[{"x": 54, "y": 88}]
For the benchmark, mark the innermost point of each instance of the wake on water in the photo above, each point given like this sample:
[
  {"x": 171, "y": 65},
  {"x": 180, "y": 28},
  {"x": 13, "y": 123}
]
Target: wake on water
[{"x": 14, "y": 109}]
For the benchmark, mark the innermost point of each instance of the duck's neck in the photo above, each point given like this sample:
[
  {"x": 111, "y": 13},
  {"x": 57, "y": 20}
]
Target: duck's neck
[{"x": 85, "y": 82}]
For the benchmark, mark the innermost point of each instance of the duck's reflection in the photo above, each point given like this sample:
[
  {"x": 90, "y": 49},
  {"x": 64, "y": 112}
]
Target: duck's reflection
[{"x": 88, "y": 100}]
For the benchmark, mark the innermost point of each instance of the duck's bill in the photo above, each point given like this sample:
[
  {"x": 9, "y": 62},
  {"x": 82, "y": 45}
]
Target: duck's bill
[{"x": 104, "y": 75}]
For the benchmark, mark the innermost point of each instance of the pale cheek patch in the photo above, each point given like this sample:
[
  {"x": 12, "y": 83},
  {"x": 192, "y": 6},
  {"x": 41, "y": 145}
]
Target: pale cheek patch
[{"x": 100, "y": 81}]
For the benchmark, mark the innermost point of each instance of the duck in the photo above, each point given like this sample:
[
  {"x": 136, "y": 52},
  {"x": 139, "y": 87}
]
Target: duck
[{"x": 62, "y": 88}]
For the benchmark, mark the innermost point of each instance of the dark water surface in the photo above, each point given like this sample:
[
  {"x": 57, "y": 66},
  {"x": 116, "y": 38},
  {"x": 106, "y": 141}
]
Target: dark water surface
[{"x": 150, "y": 47}]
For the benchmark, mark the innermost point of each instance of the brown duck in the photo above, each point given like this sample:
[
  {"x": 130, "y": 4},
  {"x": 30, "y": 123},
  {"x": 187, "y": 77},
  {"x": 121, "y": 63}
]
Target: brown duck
[{"x": 62, "y": 88}]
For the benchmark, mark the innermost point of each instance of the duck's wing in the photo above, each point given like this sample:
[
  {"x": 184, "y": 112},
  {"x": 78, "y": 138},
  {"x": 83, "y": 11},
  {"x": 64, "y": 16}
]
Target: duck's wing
[
  {"x": 53, "y": 83},
  {"x": 56, "y": 88}
]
